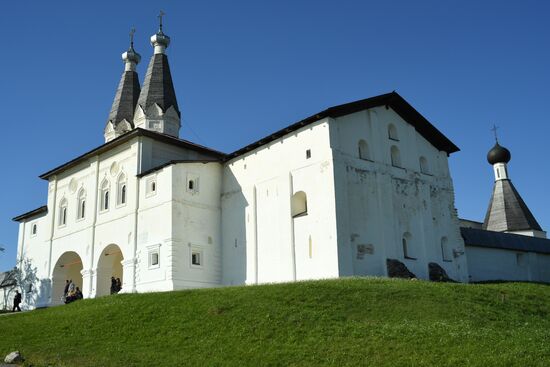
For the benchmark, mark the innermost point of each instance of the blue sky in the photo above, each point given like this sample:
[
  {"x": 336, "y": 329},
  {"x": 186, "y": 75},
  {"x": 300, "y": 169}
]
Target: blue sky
[{"x": 243, "y": 69}]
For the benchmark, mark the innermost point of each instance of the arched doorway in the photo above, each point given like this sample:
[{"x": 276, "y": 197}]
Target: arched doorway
[
  {"x": 67, "y": 267},
  {"x": 109, "y": 265}
]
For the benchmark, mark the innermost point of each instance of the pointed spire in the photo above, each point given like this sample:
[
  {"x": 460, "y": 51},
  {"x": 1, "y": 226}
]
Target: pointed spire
[
  {"x": 122, "y": 111},
  {"x": 158, "y": 89},
  {"x": 507, "y": 211}
]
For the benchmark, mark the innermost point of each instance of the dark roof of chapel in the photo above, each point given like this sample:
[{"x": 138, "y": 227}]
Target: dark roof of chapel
[
  {"x": 158, "y": 86},
  {"x": 31, "y": 214},
  {"x": 507, "y": 211},
  {"x": 127, "y": 136},
  {"x": 393, "y": 100},
  {"x": 126, "y": 98},
  {"x": 505, "y": 241}
]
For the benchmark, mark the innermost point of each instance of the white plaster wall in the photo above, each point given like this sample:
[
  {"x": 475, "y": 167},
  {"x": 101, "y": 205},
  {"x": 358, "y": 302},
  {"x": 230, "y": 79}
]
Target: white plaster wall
[
  {"x": 377, "y": 202},
  {"x": 261, "y": 242},
  {"x": 488, "y": 264},
  {"x": 196, "y": 224}
]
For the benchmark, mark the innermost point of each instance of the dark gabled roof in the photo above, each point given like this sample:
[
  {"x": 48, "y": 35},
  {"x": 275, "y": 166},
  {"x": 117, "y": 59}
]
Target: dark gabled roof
[
  {"x": 31, "y": 214},
  {"x": 126, "y": 98},
  {"x": 505, "y": 241},
  {"x": 130, "y": 135},
  {"x": 158, "y": 86},
  {"x": 7, "y": 279},
  {"x": 507, "y": 211},
  {"x": 393, "y": 100},
  {"x": 161, "y": 166}
]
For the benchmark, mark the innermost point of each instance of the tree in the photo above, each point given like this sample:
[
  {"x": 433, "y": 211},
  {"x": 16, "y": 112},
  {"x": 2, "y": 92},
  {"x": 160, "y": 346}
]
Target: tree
[{"x": 25, "y": 278}]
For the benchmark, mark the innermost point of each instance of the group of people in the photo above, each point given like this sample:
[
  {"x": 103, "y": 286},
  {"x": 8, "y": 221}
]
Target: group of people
[
  {"x": 116, "y": 285},
  {"x": 71, "y": 292}
]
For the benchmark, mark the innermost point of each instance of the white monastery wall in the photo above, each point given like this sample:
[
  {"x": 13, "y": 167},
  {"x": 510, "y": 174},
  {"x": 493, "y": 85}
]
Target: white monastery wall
[
  {"x": 380, "y": 203},
  {"x": 490, "y": 264},
  {"x": 261, "y": 241}
]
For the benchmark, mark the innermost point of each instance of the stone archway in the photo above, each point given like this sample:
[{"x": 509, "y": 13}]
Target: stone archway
[
  {"x": 68, "y": 267},
  {"x": 109, "y": 265}
]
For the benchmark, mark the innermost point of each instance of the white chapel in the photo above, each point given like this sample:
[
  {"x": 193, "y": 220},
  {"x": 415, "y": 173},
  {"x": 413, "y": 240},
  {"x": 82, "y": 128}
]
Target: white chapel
[{"x": 348, "y": 191}]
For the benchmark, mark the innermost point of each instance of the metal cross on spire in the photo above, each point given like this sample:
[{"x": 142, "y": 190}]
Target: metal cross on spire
[
  {"x": 161, "y": 14},
  {"x": 132, "y": 32},
  {"x": 494, "y": 130}
]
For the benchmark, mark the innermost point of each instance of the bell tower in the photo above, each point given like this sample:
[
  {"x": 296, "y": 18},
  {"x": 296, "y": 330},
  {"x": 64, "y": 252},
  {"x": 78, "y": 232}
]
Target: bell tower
[{"x": 157, "y": 107}]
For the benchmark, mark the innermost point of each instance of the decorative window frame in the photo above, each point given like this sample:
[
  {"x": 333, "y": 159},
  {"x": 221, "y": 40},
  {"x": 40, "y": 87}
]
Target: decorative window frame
[
  {"x": 63, "y": 212},
  {"x": 80, "y": 198},
  {"x": 102, "y": 191},
  {"x": 121, "y": 184},
  {"x": 152, "y": 250}
]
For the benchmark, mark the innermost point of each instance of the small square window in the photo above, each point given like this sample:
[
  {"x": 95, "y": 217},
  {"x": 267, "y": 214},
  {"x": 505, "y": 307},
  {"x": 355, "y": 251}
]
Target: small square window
[
  {"x": 308, "y": 154},
  {"x": 196, "y": 258},
  {"x": 154, "y": 261}
]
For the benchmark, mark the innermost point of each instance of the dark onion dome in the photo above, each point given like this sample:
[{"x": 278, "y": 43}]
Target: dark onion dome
[{"x": 498, "y": 154}]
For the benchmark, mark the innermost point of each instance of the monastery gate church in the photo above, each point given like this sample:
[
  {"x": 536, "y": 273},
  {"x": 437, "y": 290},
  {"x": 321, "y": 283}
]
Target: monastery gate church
[{"x": 340, "y": 193}]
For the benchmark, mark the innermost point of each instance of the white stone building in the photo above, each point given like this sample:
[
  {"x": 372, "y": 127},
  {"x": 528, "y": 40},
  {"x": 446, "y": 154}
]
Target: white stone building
[{"x": 336, "y": 194}]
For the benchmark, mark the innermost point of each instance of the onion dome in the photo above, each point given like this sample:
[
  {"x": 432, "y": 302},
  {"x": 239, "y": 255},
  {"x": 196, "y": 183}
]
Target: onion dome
[
  {"x": 160, "y": 39},
  {"x": 131, "y": 55},
  {"x": 498, "y": 154}
]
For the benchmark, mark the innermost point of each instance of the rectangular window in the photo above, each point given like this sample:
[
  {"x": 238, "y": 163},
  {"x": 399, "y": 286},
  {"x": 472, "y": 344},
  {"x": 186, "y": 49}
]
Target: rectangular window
[
  {"x": 196, "y": 258},
  {"x": 308, "y": 154},
  {"x": 154, "y": 260}
]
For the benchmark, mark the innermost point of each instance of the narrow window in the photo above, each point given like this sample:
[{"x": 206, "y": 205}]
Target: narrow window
[
  {"x": 191, "y": 185},
  {"x": 63, "y": 212},
  {"x": 105, "y": 197},
  {"x": 151, "y": 186},
  {"x": 498, "y": 173},
  {"x": 121, "y": 191},
  {"x": 33, "y": 229},
  {"x": 81, "y": 210},
  {"x": 363, "y": 150},
  {"x": 308, "y": 154},
  {"x": 392, "y": 132},
  {"x": 424, "y": 168},
  {"x": 298, "y": 204},
  {"x": 395, "y": 156}
]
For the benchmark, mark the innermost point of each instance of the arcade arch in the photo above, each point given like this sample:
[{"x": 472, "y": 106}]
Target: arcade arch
[
  {"x": 68, "y": 267},
  {"x": 109, "y": 265}
]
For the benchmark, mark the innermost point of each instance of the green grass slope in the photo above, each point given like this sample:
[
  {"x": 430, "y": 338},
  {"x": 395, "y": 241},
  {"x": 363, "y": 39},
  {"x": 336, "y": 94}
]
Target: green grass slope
[{"x": 346, "y": 322}]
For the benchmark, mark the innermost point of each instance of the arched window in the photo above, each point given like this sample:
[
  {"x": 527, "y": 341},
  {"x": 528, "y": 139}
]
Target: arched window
[
  {"x": 424, "y": 167},
  {"x": 364, "y": 150},
  {"x": 446, "y": 252},
  {"x": 409, "y": 252},
  {"x": 81, "y": 210},
  {"x": 63, "y": 212},
  {"x": 104, "y": 195},
  {"x": 121, "y": 189},
  {"x": 395, "y": 156},
  {"x": 392, "y": 132},
  {"x": 298, "y": 204},
  {"x": 191, "y": 185}
]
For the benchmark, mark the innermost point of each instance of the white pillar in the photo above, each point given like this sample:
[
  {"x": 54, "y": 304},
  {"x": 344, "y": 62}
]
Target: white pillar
[
  {"x": 87, "y": 283},
  {"x": 129, "y": 276}
]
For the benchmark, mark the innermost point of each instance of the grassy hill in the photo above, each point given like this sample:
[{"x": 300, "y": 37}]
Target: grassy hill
[{"x": 346, "y": 322}]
